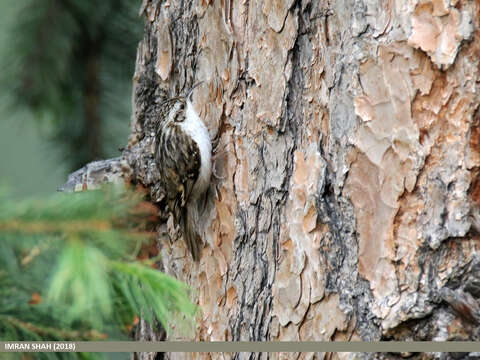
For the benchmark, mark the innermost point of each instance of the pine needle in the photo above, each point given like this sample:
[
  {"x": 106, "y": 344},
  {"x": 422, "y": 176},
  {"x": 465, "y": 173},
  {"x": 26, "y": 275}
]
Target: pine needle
[{"x": 67, "y": 270}]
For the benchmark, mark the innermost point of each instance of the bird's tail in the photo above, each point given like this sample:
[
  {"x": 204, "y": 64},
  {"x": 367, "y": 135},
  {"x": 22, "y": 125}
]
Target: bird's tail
[{"x": 190, "y": 236}]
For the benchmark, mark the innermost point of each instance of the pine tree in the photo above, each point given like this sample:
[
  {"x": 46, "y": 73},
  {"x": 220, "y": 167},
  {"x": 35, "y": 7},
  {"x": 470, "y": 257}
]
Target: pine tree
[
  {"x": 70, "y": 269},
  {"x": 71, "y": 63}
]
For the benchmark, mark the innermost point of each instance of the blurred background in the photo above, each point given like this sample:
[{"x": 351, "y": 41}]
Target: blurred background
[
  {"x": 65, "y": 87},
  {"x": 65, "y": 94}
]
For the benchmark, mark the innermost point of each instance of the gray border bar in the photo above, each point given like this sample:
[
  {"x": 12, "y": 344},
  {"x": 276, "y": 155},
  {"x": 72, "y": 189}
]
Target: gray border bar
[{"x": 220, "y": 346}]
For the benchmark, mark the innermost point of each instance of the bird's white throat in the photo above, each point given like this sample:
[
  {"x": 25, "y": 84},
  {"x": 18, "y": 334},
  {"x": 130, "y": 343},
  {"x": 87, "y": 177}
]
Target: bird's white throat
[{"x": 193, "y": 126}]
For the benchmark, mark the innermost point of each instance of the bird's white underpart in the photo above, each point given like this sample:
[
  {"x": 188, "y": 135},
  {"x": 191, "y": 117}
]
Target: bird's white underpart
[{"x": 193, "y": 126}]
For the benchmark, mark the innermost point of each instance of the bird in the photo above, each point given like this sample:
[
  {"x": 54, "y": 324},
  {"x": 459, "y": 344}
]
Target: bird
[{"x": 183, "y": 155}]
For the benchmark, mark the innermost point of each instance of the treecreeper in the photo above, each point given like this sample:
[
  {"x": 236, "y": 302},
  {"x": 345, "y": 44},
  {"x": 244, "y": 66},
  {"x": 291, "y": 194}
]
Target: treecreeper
[{"x": 183, "y": 154}]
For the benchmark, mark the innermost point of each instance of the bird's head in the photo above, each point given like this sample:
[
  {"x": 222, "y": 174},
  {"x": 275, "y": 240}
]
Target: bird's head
[{"x": 174, "y": 109}]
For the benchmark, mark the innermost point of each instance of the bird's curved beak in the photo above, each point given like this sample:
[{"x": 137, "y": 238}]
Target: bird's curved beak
[{"x": 191, "y": 90}]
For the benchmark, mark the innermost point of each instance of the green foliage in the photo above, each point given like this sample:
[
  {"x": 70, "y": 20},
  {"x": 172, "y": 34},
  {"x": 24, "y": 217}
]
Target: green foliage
[
  {"x": 71, "y": 62},
  {"x": 69, "y": 270}
]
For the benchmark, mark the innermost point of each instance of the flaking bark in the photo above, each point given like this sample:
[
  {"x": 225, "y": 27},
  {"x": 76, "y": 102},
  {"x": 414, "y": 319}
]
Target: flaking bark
[{"x": 349, "y": 165}]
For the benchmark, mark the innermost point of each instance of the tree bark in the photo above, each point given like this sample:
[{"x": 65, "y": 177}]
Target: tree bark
[{"x": 349, "y": 158}]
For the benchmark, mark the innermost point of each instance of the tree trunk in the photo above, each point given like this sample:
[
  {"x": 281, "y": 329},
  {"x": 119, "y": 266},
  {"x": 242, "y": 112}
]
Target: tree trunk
[{"x": 349, "y": 149}]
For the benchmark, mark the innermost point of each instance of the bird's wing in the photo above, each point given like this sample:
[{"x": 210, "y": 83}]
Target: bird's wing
[{"x": 179, "y": 164}]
